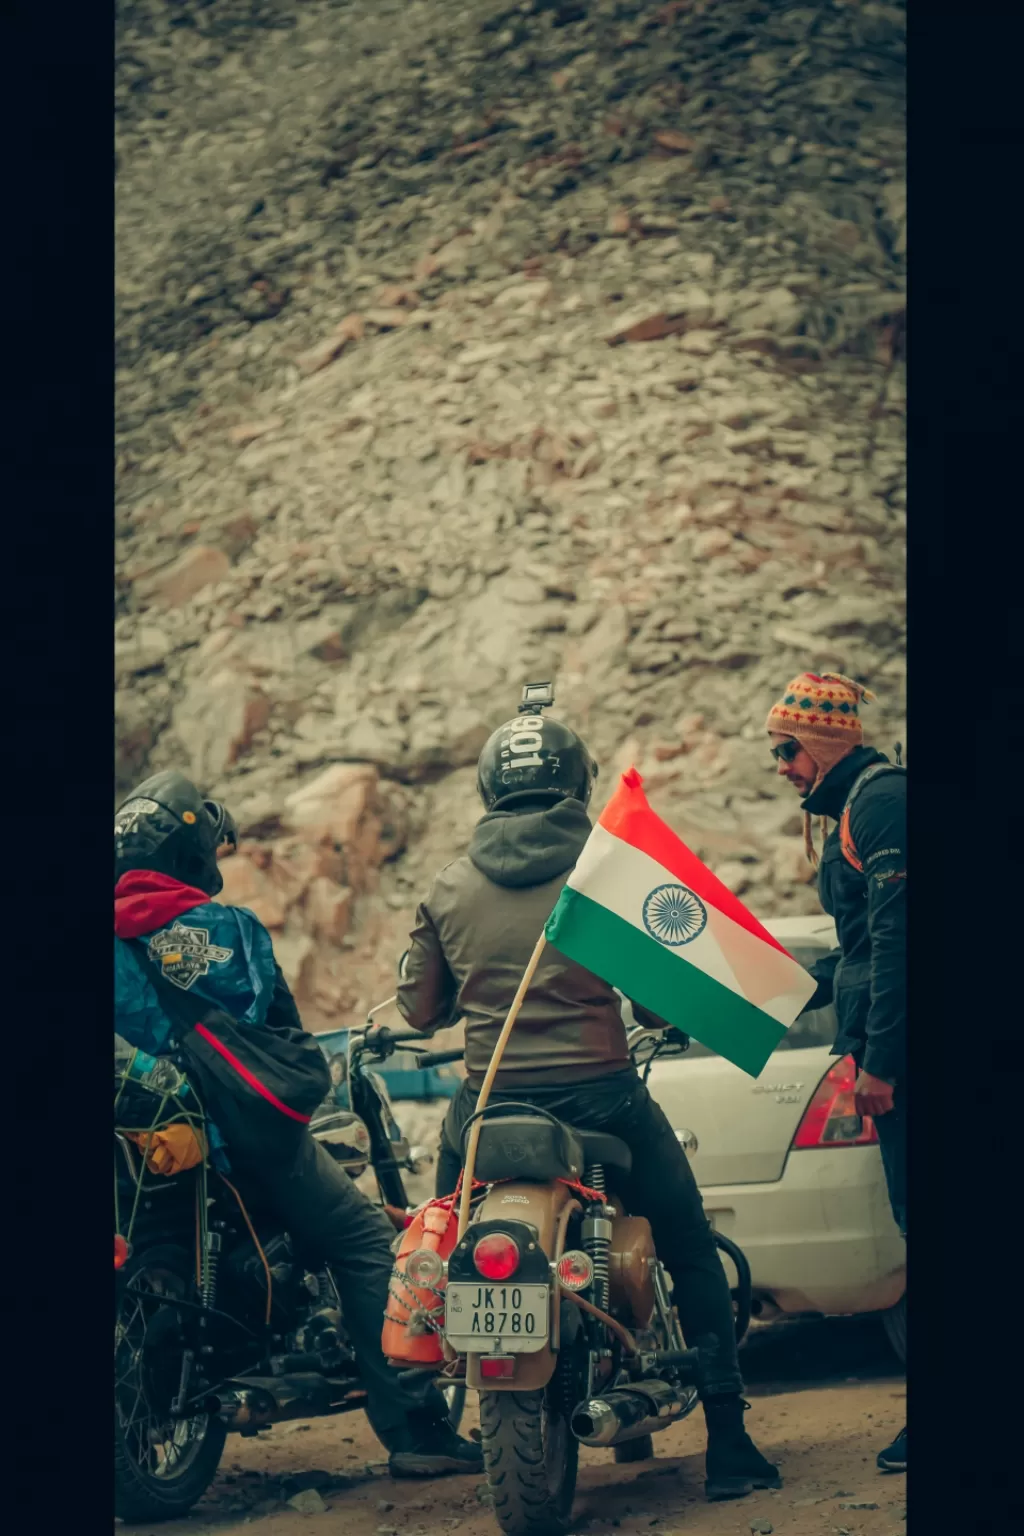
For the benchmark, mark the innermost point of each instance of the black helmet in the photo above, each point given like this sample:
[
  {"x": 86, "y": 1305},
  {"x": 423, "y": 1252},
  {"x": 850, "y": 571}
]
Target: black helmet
[
  {"x": 530, "y": 758},
  {"x": 165, "y": 825},
  {"x": 224, "y": 826}
]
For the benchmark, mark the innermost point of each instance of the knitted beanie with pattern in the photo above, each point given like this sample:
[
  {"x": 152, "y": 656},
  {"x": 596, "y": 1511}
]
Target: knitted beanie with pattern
[{"x": 823, "y": 714}]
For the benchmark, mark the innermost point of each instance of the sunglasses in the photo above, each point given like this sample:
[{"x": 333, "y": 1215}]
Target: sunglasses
[{"x": 785, "y": 751}]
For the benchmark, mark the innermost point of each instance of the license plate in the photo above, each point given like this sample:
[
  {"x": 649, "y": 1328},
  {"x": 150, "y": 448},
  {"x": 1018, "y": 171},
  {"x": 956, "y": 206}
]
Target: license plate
[{"x": 503, "y": 1319}]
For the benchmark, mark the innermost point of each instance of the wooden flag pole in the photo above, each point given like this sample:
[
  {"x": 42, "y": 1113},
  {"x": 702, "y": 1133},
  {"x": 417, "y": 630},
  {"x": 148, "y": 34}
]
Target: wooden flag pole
[{"x": 492, "y": 1072}]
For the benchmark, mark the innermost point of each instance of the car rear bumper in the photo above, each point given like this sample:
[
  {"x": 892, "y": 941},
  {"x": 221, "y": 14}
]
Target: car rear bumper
[{"x": 821, "y": 1238}]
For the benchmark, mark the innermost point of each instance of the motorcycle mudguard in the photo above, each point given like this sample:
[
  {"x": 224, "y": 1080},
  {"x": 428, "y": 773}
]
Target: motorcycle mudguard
[{"x": 544, "y": 1207}]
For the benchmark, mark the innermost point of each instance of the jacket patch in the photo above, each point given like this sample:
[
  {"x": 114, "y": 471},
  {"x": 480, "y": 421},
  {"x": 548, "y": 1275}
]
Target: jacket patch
[
  {"x": 185, "y": 954},
  {"x": 883, "y": 853}
]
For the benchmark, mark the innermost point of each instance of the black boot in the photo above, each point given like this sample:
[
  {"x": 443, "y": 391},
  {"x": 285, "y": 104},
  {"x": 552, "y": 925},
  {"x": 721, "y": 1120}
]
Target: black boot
[
  {"x": 429, "y": 1447},
  {"x": 894, "y": 1457},
  {"x": 734, "y": 1466}
]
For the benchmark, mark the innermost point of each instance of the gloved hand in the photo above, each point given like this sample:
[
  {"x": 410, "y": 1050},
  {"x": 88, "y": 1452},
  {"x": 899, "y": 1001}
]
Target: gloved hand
[{"x": 171, "y": 1150}]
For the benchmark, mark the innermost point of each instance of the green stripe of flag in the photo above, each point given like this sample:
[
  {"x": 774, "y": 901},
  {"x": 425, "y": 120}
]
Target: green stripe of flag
[{"x": 662, "y": 980}]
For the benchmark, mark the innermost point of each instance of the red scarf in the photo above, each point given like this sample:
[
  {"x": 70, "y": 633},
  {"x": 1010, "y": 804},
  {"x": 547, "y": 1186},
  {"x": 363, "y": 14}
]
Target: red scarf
[{"x": 145, "y": 901}]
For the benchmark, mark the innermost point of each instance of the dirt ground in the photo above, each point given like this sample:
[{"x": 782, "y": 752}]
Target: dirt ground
[{"x": 826, "y": 1396}]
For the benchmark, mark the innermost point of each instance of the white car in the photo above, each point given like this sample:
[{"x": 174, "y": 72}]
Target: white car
[{"x": 788, "y": 1170}]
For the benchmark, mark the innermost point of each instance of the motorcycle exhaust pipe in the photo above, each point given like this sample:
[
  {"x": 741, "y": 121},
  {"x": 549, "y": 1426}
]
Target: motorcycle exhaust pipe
[
  {"x": 249, "y": 1409},
  {"x": 627, "y": 1413}
]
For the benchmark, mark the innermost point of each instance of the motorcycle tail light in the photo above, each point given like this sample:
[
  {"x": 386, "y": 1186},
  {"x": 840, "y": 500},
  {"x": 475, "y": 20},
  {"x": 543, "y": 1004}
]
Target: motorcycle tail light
[
  {"x": 496, "y": 1256},
  {"x": 575, "y": 1270},
  {"x": 424, "y": 1267},
  {"x": 831, "y": 1118},
  {"x": 497, "y": 1367},
  {"x": 121, "y": 1251}
]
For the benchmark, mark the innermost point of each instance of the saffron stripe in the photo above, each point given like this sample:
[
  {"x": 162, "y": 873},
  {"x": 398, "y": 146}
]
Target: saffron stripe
[
  {"x": 628, "y": 817},
  {"x": 248, "y": 1077}
]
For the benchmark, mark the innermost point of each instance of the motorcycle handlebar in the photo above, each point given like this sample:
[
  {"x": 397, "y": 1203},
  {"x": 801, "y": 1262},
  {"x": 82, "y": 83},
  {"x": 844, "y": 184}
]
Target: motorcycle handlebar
[
  {"x": 439, "y": 1058},
  {"x": 384, "y": 1042}
]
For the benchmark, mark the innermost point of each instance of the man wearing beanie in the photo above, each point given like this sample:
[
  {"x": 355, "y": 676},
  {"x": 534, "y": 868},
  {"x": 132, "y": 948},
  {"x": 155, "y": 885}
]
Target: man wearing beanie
[{"x": 818, "y": 742}]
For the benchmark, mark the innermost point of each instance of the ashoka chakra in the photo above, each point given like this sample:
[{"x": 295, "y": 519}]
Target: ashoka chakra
[{"x": 673, "y": 915}]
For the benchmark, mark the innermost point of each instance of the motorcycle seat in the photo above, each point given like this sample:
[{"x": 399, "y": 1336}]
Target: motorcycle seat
[
  {"x": 528, "y": 1147},
  {"x": 537, "y": 1148},
  {"x": 599, "y": 1147}
]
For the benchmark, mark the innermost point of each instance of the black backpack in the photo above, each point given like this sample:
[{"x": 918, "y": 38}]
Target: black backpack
[{"x": 261, "y": 1084}]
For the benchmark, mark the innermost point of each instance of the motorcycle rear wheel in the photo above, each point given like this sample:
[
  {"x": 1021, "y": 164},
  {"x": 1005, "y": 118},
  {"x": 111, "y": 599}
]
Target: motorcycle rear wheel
[
  {"x": 162, "y": 1465},
  {"x": 531, "y": 1454}
]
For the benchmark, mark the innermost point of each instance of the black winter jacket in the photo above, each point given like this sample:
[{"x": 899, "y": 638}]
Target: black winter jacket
[{"x": 866, "y": 976}]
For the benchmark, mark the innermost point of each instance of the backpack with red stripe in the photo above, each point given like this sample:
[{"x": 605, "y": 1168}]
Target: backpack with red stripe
[
  {"x": 846, "y": 842},
  {"x": 258, "y": 1082}
]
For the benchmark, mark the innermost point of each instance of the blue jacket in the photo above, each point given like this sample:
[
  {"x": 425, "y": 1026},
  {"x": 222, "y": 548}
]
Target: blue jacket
[
  {"x": 227, "y": 960},
  {"x": 223, "y": 955}
]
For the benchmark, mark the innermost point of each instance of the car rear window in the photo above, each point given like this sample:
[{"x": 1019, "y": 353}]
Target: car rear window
[{"x": 814, "y": 1028}]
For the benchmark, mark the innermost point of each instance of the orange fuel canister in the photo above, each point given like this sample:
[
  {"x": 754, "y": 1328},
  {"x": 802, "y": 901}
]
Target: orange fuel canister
[{"x": 415, "y": 1309}]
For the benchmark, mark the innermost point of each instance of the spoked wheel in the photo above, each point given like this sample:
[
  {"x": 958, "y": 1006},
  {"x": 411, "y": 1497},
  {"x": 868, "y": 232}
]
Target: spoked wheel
[
  {"x": 530, "y": 1452},
  {"x": 162, "y": 1464}
]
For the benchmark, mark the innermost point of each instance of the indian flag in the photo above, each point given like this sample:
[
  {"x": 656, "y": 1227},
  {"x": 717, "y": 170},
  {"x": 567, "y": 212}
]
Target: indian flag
[{"x": 642, "y": 912}]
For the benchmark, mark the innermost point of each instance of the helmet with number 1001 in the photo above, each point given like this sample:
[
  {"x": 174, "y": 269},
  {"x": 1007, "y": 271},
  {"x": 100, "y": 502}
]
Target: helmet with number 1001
[{"x": 534, "y": 758}]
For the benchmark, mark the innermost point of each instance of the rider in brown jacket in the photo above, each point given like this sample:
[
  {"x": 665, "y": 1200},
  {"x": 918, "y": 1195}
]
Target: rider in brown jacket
[{"x": 567, "y": 1054}]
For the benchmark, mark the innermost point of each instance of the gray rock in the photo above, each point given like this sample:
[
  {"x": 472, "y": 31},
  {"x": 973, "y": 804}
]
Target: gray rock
[
  {"x": 308, "y": 1502},
  {"x": 470, "y": 488}
]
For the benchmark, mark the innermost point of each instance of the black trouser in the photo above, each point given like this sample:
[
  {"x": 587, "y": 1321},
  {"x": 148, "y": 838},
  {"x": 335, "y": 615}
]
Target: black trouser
[
  {"x": 660, "y": 1187},
  {"x": 892, "y": 1140},
  {"x": 333, "y": 1220}
]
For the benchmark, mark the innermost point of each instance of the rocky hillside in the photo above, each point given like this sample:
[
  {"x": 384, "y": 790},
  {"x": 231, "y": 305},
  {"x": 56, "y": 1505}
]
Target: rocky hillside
[{"x": 461, "y": 343}]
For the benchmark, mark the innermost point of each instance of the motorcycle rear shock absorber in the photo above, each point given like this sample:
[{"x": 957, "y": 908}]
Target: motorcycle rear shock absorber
[
  {"x": 211, "y": 1259},
  {"x": 596, "y": 1234},
  {"x": 207, "y": 1295}
]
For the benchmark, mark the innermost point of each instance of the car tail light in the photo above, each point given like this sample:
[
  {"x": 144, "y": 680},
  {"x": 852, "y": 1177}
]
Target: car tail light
[
  {"x": 121, "y": 1251},
  {"x": 831, "y": 1119},
  {"x": 575, "y": 1270},
  {"x": 497, "y": 1367},
  {"x": 496, "y": 1256},
  {"x": 424, "y": 1267}
]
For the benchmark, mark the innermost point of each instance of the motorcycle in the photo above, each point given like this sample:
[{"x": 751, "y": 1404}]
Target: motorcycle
[
  {"x": 220, "y": 1324},
  {"x": 555, "y": 1308}
]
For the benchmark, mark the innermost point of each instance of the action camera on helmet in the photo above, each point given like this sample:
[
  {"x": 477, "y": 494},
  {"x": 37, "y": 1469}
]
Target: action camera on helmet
[
  {"x": 537, "y": 696},
  {"x": 534, "y": 758}
]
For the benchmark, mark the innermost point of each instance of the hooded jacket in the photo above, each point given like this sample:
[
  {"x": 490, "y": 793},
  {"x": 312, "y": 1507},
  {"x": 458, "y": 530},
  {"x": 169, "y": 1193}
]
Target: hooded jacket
[
  {"x": 222, "y": 954},
  {"x": 474, "y": 936},
  {"x": 866, "y": 976}
]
